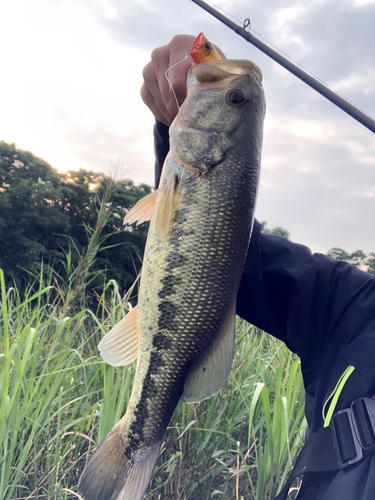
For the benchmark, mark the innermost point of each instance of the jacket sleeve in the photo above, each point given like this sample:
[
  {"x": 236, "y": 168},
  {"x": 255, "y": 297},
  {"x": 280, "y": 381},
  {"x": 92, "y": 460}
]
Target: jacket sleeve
[
  {"x": 316, "y": 305},
  {"x": 161, "y": 147}
]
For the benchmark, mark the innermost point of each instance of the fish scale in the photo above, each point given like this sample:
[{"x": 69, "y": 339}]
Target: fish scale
[{"x": 194, "y": 256}]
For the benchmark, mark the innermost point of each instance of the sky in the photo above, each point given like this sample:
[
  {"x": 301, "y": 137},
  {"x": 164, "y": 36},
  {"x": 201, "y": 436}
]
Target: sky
[{"x": 71, "y": 73}]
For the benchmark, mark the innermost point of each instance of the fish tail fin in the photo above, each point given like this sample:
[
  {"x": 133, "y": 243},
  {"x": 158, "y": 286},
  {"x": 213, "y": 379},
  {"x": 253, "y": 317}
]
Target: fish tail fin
[{"x": 111, "y": 475}]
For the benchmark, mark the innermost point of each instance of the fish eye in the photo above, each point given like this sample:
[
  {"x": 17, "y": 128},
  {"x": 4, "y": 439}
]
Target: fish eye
[
  {"x": 208, "y": 46},
  {"x": 237, "y": 97}
]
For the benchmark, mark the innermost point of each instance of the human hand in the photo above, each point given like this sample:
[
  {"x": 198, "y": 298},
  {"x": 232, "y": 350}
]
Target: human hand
[{"x": 156, "y": 91}]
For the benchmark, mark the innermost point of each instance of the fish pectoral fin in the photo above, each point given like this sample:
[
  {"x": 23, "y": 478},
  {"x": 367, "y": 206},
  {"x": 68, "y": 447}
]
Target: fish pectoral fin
[
  {"x": 209, "y": 373},
  {"x": 142, "y": 210},
  {"x": 119, "y": 347},
  {"x": 166, "y": 205}
]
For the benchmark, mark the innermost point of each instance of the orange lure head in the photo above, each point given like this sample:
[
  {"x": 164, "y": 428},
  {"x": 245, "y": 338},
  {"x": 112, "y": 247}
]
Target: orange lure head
[{"x": 203, "y": 50}]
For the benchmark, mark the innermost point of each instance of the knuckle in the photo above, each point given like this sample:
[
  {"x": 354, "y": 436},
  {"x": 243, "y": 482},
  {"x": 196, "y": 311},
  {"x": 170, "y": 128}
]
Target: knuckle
[
  {"x": 157, "y": 52},
  {"x": 175, "y": 39},
  {"x": 144, "y": 95},
  {"x": 179, "y": 88},
  {"x": 147, "y": 71}
]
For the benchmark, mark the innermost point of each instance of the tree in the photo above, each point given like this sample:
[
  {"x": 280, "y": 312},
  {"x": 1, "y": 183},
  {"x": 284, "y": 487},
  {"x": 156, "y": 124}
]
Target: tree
[
  {"x": 357, "y": 258},
  {"x": 42, "y": 212},
  {"x": 30, "y": 212},
  {"x": 123, "y": 260},
  {"x": 277, "y": 230},
  {"x": 371, "y": 263}
]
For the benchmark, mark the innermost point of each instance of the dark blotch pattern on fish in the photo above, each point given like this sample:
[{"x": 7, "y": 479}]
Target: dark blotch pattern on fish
[
  {"x": 168, "y": 313},
  {"x": 141, "y": 413},
  {"x": 169, "y": 282},
  {"x": 161, "y": 342},
  {"x": 175, "y": 259}
]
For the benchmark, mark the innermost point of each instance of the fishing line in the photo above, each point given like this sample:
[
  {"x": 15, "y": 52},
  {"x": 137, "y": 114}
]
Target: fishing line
[
  {"x": 170, "y": 83},
  {"x": 248, "y": 27},
  {"x": 288, "y": 63},
  {"x": 234, "y": 18},
  {"x": 305, "y": 69}
]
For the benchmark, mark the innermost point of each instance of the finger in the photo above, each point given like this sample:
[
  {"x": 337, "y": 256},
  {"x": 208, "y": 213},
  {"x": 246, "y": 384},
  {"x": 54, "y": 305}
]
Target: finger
[
  {"x": 178, "y": 67},
  {"x": 150, "y": 93},
  {"x": 164, "y": 60},
  {"x": 177, "y": 79},
  {"x": 151, "y": 102},
  {"x": 160, "y": 85}
]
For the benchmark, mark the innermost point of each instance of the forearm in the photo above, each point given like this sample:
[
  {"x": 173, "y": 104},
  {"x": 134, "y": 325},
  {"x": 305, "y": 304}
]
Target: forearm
[{"x": 161, "y": 146}]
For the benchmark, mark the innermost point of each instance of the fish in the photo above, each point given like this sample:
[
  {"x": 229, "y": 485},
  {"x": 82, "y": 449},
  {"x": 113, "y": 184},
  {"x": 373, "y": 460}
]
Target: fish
[
  {"x": 203, "y": 50},
  {"x": 183, "y": 328}
]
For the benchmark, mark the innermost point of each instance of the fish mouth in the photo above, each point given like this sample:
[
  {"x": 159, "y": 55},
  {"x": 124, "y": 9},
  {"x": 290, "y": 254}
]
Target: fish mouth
[{"x": 217, "y": 74}]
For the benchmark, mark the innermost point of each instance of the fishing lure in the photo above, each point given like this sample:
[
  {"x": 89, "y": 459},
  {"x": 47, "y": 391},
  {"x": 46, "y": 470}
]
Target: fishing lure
[{"x": 203, "y": 50}]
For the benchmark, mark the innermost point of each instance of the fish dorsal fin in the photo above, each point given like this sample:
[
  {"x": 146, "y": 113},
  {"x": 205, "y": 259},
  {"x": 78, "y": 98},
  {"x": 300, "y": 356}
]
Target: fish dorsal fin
[
  {"x": 119, "y": 347},
  {"x": 209, "y": 373},
  {"x": 142, "y": 210},
  {"x": 166, "y": 207}
]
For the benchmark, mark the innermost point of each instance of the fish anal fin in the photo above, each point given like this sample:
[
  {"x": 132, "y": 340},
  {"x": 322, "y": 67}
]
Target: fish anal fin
[
  {"x": 119, "y": 347},
  {"x": 110, "y": 474},
  {"x": 142, "y": 210},
  {"x": 166, "y": 206},
  {"x": 209, "y": 373}
]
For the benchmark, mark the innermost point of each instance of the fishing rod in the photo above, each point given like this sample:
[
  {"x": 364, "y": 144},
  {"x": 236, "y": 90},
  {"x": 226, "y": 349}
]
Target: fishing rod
[{"x": 332, "y": 96}]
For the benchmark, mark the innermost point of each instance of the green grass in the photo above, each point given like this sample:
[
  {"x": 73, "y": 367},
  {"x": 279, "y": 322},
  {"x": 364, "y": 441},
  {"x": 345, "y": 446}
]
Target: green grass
[
  {"x": 243, "y": 441},
  {"x": 59, "y": 400}
]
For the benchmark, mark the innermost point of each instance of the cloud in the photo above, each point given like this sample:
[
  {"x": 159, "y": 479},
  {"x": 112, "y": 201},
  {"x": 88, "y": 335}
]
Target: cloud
[
  {"x": 74, "y": 100},
  {"x": 320, "y": 189},
  {"x": 125, "y": 155}
]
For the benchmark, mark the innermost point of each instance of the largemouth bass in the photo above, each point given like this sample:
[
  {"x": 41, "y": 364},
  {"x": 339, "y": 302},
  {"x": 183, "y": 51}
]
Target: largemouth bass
[{"x": 201, "y": 220}]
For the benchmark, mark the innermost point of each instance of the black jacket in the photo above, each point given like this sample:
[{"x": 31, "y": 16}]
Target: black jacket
[{"x": 324, "y": 311}]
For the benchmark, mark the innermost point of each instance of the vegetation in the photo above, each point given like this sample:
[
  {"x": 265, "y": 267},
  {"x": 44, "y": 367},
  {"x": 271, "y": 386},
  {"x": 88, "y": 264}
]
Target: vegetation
[
  {"x": 357, "y": 258},
  {"x": 277, "y": 230},
  {"x": 59, "y": 399},
  {"x": 42, "y": 212},
  {"x": 46, "y": 216}
]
